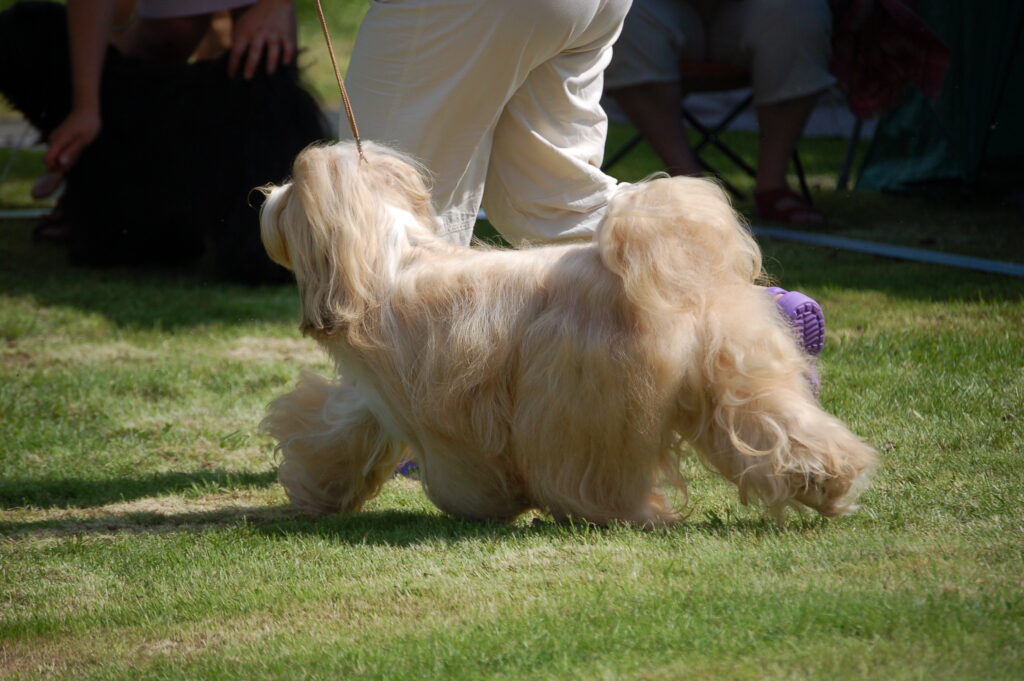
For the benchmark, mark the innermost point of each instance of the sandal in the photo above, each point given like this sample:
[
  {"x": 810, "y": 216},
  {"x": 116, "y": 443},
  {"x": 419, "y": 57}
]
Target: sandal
[
  {"x": 786, "y": 206},
  {"x": 808, "y": 322}
]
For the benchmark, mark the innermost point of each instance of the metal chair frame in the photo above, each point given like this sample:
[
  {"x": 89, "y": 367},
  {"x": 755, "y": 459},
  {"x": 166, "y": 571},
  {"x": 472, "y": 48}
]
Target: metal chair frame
[{"x": 711, "y": 135}]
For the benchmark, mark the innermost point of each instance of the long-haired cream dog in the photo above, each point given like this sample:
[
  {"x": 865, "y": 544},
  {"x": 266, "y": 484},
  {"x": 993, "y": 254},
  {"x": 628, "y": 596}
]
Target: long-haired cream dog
[{"x": 559, "y": 378}]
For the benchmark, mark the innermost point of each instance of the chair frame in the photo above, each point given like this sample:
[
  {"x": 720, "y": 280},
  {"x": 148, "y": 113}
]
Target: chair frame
[{"x": 703, "y": 77}]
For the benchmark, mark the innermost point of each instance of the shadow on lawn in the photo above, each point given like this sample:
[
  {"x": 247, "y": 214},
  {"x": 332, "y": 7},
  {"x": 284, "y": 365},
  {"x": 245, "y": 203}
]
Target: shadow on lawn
[
  {"x": 147, "y": 298},
  {"x": 82, "y": 493},
  {"x": 796, "y": 266},
  {"x": 405, "y": 528},
  {"x": 376, "y": 528},
  {"x": 170, "y": 299}
]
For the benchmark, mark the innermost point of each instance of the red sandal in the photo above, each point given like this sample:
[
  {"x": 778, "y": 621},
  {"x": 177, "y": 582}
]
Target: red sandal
[{"x": 786, "y": 206}]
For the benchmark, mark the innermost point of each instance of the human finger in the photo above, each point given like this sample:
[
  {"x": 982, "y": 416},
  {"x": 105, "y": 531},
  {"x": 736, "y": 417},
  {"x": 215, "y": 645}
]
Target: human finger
[
  {"x": 58, "y": 150},
  {"x": 287, "y": 51},
  {"x": 68, "y": 153},
  {"x": 253, "y": 60},
  {"x": 273, "y": 51},
  {"x": 238, "y": 47},
  {"x": 47, "y": 184},
  {"x": 51, "y": 155}
]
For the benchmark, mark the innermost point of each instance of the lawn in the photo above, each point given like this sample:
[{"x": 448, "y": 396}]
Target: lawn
[{"x": 143, "y": 534}]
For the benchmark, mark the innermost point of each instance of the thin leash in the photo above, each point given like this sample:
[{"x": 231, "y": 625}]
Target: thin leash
[{"x": 341, "y": 84}]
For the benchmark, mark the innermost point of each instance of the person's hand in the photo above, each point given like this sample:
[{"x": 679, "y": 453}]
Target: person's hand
[
  {"x": 265, "y": 25},
  {"x": 70, "y": 138}
]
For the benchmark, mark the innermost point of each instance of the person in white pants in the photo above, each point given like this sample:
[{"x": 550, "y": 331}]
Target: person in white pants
[{"x": 500, "y": 100}]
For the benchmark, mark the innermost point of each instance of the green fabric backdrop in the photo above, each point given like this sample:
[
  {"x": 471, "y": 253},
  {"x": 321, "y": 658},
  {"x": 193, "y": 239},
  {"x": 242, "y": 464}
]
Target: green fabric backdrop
[{"x": 922, "y": 142}]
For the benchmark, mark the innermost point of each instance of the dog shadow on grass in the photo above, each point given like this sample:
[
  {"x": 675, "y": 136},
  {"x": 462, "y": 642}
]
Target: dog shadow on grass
[
  {"x": 391, "y": 527},
  {"x": 216, "y": 499},
  {"x": 406, "y": 528},
  {"x": 51, "y": 493}
]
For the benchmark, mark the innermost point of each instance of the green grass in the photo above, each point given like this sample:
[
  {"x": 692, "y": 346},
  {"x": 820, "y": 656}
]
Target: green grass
[
  {"x": 143, "y": 534},
  {"x": 342, "y": 20}
]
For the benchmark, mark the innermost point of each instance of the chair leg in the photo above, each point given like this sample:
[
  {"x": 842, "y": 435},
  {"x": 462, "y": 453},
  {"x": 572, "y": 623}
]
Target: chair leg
[
  {"x": 732, "y": 115},
  {"x": 851, "y": 151},
  {"x": 733, "y": 156},
  {"x": 729, "y": 186},
  {"x": 707, "y": 136},
  {"x": 711, "y": 135},
  {"x": 802, "y": 177}
]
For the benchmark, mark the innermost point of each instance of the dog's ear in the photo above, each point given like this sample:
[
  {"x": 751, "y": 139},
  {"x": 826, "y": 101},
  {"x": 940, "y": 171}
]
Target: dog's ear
[
  {"x": 340, "y": 233},
  {"x": 274, "y": 202},
  {"x": 324, "y": 224}
]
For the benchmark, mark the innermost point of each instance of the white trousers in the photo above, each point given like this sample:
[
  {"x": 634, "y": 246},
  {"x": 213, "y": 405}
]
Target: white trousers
[{"x": 499, "y": 99}]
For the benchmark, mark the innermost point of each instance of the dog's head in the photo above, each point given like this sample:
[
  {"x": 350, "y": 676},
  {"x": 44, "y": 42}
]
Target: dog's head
[{"x": 341, "y": 225}]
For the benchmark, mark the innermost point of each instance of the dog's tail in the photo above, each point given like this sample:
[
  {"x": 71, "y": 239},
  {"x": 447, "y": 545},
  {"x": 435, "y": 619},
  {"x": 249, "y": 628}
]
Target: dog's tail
[
  {"x": 671, "y": 238},
  {"x": 750, "y": 412}
]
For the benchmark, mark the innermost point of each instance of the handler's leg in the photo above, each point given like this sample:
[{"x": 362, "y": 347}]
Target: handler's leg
[
  {"x": 544, "y": 182},
  {"x": 433, "y": 79}
]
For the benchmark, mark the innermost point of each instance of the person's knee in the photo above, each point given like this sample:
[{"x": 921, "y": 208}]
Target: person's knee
[
  {"x": 792, "y": 22},
  {"x": 655, "y": 36}
]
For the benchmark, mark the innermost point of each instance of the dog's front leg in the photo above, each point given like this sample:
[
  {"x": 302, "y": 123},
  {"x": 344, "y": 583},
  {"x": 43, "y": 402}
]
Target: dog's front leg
[{"x": 335, "y": 454}]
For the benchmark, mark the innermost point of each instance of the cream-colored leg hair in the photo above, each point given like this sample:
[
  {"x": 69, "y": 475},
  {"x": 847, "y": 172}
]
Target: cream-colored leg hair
[
  {"x": 594, "y": 440},
  {"x": 335, "y": 456}
]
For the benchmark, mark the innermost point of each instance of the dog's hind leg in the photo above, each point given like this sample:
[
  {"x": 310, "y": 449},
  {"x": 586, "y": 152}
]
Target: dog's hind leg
[
  {"x": 600, "y": 471},
  {"x": 758, "y": 424},
  {"x": 471, "y": 487},
  {"x": 335, "y": 455},
  {"x": 634, "y": 500}
]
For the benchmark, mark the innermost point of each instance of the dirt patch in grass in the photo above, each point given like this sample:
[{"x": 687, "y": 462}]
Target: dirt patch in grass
[
  {"x": 63, "y": 352},
  {"x": 16, "y": 359},
  {"x": 157, "y": 514},
  {"x": 302, "y": 351}
]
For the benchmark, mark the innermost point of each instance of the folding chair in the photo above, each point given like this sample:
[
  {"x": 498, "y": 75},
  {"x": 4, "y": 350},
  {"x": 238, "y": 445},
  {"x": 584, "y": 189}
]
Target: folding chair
[{"x": 703, "y": 77}]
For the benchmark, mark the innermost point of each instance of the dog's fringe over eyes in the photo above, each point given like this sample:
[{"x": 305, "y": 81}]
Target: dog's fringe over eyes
[{"x": 561, "y": 378}]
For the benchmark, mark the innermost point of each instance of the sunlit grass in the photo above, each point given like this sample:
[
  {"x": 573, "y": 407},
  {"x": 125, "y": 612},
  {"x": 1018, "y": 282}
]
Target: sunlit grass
[
  {"x": 143, "y": 534},
  {"x": 146, "y": 535}
]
